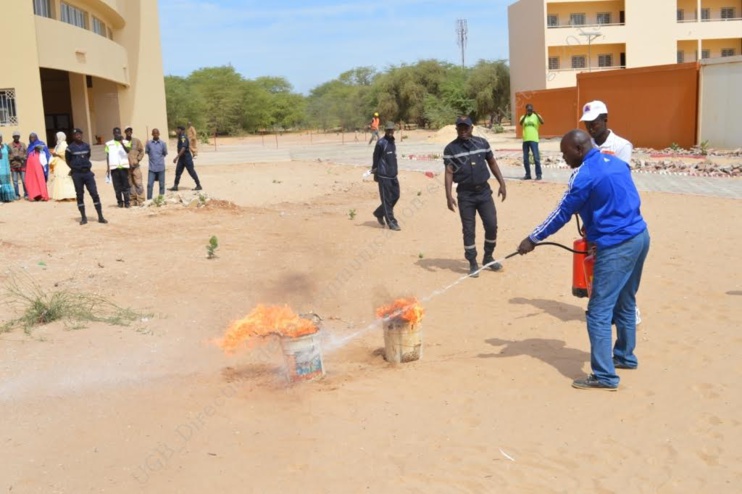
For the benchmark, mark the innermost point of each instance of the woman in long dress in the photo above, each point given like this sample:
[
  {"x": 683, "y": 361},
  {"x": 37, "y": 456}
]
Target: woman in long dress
[
  {"x": 7, "y": 192},
  {"x": 62, "y": 186},
  {"x": 46, "y": 155},
  {"x": 35, "y": 183}
]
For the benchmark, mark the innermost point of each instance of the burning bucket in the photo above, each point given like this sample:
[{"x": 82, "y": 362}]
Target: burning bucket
[
  {"x": 303, "y": 357},
  {"x": 403, "y": 341}
]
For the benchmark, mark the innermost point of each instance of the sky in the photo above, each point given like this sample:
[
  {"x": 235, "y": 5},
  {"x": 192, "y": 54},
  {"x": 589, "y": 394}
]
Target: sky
[{"x": 311, "y": 42}]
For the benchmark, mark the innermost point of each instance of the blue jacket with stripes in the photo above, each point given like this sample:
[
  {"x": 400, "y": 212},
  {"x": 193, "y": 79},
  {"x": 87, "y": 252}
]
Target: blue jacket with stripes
[{"x": 603, "y": 193}]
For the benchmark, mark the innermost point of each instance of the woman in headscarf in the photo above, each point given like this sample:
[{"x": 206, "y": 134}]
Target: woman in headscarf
[
  {"x": 61, "y": 185},
  {"x": 35, "y": 183},
  {"x": 45, "y": 158},
  {"x": 7, "y": 192}
]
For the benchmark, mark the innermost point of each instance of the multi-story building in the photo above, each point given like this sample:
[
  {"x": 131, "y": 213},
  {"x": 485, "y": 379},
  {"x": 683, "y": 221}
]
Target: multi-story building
[
  {"x": 552, "y": 40},
  {"x": 92, "y": 64}
]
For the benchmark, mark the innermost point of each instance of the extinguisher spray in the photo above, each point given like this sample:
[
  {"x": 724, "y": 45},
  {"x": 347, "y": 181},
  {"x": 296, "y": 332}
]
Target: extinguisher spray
[{"x": 582, "y": 265}]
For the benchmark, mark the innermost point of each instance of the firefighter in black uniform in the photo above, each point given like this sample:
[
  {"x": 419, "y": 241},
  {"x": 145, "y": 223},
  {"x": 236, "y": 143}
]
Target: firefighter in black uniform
[
  {"x": 384, "y": 169},
  {"x": 78, "y": 159},
  {"x": 468, "y": 161},
  {"x": 184, "y": 159}
]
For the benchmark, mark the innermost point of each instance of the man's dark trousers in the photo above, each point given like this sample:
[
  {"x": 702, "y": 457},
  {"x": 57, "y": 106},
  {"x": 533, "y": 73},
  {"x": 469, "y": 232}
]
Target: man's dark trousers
[
  {"x": 389, "y": 194},
  {"x": 81, "y": 181},
  {"x": 186, "y": 162},
  {"x": 120, "y": 179},
  {"x": 473, "y": 200}
]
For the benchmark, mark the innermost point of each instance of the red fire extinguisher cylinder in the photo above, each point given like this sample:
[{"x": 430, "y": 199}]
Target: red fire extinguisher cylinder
[{"x": 579, "y": 275}]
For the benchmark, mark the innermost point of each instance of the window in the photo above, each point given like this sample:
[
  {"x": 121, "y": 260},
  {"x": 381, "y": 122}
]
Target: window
[
  {"x": 705, "y": 54},
  {"x": 681, "y": 56},
  {"x": 705, "y": 14},
  {"x": 605, "y": 60},
  {"x": 727, "y": 13},
  {"x": 604, "y": 18},
  {"x": 552, "y": 20},
  {"x": 727, "y": 52},
  {"x": 681, "y": 15},
  {"x": 8, "y": 115},
  {"x": 577, "y": 19},
  {"x": 553, "y": 63},
  {"x": 73, "y": 15},
  {"x": 42, "y": 8},
  {"x": 99, "y": 27},
  {"x": 579, "y": 62}
]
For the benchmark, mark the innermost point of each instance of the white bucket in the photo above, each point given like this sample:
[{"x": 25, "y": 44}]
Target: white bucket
[
  {"x": 303, "y": 357},
  {"x": 403, "y": 341}
]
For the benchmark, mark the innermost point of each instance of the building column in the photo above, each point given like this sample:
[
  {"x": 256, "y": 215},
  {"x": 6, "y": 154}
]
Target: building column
[{"x": 81, "y": 105}]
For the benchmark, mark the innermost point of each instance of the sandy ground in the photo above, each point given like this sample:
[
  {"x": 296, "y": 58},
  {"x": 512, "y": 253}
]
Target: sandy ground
[{"x": 156, "y": 408}]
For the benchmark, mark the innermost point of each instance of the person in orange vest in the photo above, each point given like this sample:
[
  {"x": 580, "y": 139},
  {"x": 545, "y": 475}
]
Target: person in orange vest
[{"x": 374, "y": 126}]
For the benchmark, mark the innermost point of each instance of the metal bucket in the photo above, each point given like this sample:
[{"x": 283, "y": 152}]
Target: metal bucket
[
  {"x": 403, "y": 341},
  {"x": 303, "y": 357}
]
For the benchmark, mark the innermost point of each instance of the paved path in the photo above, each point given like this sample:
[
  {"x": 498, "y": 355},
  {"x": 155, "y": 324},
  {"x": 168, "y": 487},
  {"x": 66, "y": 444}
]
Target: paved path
[{"x": 359, "y": 154}]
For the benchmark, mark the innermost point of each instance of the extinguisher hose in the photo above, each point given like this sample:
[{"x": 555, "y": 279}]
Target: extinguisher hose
[
  {"x": 563, "y": 247},
  {"x": 552, "y": 244}
]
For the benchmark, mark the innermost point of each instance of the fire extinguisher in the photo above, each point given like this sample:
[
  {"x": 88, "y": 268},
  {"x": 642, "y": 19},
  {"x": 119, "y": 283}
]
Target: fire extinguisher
[{"x": 582, "y": 265}]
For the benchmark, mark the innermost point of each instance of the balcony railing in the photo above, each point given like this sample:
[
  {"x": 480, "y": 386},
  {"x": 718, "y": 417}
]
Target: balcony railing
[
  {"x": 712, "y": 19},
  {"x": 575, "y": 26},
  {"x": 588, "y": 69}
]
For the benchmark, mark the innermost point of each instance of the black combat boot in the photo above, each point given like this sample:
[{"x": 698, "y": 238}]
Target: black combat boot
[
  {"x": 83, "y": 218},
  {"x": 489, "y": 249},
  {"x": 99, "y": 209},
  {"x": 471, "y": 256}
]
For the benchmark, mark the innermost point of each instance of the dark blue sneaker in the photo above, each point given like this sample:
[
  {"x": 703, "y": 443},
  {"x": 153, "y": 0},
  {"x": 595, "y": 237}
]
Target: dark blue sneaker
[{"x": 591, "y": 382}]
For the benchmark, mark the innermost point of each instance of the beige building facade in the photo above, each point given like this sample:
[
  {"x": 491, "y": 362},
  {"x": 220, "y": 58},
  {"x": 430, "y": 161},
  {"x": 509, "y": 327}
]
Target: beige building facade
[
  {"x": 551, "y": 41},
  {"x": 92, "y": 64}
]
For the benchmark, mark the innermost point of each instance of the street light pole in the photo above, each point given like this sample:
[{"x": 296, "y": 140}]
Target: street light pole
[{"x": 590, "y": 38}]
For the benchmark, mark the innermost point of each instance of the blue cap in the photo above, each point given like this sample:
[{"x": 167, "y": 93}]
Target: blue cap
[{"x": 464, "y": 120}]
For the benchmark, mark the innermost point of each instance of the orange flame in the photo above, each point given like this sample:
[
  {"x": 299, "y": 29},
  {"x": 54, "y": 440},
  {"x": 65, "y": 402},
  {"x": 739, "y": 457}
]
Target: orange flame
[
  {"x": 265, "y": 320},
  {"x": 408, "y": 309}
]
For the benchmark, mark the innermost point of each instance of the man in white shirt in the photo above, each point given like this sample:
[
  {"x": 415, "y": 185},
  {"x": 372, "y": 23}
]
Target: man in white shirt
[
  {"x": 595, "y": 116},
  {"x": 117, "y": 160}
]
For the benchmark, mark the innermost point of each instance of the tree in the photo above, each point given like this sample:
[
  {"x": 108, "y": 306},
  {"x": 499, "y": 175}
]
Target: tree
[
  {"x": 489, "y": 86},
  {"x": 183, "y": 104},
  {"x": 222, "y": 93}
]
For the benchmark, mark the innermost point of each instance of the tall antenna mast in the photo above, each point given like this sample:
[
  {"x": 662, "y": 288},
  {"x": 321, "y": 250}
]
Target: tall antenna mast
[{"x": 462, "y": 32}]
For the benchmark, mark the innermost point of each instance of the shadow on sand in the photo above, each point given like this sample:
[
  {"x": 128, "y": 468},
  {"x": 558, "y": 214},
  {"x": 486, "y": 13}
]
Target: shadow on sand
[
  {"x": 435, "y": 265},
  {"x": 560, "y": 310},
  {"x": 568, "y": 361}
]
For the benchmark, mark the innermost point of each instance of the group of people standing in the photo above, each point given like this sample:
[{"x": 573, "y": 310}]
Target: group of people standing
[
  {"x": 36, "y": 173},
  {"x": 33, "y": 171},
  {"x": 601, "y": 191}
]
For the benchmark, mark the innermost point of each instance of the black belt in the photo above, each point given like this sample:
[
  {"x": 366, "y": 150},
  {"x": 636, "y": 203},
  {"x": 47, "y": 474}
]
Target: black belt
[
  {"x": 80, "y": 170},
  {"x": 473, "y": 187}
]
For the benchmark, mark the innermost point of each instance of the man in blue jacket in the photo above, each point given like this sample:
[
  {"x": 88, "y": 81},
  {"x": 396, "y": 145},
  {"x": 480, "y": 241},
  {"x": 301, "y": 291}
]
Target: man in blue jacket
[
  {"x": 603, "y": 193},
  {"x": 385, "y": 171}
]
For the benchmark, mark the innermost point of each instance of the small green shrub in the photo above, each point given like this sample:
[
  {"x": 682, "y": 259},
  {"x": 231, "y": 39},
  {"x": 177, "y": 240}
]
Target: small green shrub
[{"x": 211, "y": 248}]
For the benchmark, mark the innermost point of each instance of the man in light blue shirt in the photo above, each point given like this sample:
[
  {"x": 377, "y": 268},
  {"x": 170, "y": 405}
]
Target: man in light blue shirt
[
  {"x": 156, "y": 150},
  {"x": 603, "y": 193}
]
